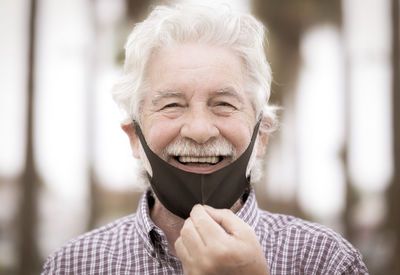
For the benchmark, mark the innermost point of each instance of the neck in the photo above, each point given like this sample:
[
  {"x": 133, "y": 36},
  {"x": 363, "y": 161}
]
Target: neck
[{"x": 171, "y": 224}]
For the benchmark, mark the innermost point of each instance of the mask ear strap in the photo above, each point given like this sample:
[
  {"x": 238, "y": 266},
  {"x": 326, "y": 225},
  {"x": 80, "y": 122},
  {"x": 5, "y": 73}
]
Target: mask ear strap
[
  {"x": 260, "y": 116},
  {"x": 139, "y": 133}
]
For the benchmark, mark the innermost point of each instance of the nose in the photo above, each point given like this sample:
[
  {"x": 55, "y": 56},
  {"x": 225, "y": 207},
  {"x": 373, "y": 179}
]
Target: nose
[{"x": 199, "y": 127}]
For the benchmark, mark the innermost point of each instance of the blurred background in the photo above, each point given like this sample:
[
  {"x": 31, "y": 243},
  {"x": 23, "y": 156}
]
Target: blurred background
[{"x": 66, "y": 166}]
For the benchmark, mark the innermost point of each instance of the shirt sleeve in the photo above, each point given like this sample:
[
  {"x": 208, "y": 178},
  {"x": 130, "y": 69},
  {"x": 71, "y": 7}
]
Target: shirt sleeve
[
  {"x": 356, "y": 267},
  {"x": 49, "y": 267}
]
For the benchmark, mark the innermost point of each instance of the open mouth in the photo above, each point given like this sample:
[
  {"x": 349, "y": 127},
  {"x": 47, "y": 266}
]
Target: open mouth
[{"x": 199, "y": 161}]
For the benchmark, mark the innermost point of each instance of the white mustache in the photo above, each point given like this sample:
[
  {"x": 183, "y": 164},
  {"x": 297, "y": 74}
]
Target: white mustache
[{"x": 187, "y": 147}]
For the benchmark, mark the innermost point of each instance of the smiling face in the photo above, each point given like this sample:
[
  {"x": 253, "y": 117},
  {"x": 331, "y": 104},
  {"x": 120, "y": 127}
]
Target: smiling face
[{"x": 196, "y": 114}]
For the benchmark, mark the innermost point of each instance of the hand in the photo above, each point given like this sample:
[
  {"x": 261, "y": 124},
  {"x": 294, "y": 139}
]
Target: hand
[{"x": 216, "y": 241}]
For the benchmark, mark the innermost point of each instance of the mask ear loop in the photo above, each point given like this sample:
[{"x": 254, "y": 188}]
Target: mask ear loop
[
  {"x": 259, "y": 121},
  {"x": 260, "y": 117}
]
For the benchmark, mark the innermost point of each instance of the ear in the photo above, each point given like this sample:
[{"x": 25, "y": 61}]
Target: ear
[
  {"x": 129, "y": 129},
  {"x": 262, "y": 143},
  {"x": 263, "y": 136}
]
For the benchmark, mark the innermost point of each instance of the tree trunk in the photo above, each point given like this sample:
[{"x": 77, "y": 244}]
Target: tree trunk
[
  {"x": 394, "y": 189},
  {"x": 350, "y": 193},
  {"x": 27, "y": 247},
  {"x": 94, "y": 203},
  {"x": 138, "y": 9}
]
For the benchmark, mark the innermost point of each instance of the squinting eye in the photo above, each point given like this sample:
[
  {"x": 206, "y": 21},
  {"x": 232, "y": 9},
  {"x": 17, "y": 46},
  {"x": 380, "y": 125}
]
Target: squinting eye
[
  {"x": 172, "y": 105},
  {"x": 223, "y": 108},
  {"x": 224, "y": 104}
]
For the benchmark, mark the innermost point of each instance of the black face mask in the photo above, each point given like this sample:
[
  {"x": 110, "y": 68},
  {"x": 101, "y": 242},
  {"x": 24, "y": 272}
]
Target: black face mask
[{"x": 180, "y": 190}]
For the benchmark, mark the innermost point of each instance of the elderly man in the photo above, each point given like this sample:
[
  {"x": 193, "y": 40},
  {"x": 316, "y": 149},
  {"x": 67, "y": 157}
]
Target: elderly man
[{"x": 195, "y": 89}]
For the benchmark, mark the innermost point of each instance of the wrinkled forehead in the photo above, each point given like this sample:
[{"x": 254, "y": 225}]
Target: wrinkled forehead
[{"x": 172, "y": 70}]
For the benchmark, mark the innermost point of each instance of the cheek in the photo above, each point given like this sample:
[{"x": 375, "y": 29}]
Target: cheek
[
  {"x": 160, "y": 135},
  {"x": 238, "y": 135}
]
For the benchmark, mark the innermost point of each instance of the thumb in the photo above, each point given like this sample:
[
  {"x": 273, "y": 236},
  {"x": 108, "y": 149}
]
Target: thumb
[{"x": 226, "y": 219}]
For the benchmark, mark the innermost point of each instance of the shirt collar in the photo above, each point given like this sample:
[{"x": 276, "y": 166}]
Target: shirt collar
[
  {"x": 144, "y": 224},
  {"x": 249, "y": 213}
]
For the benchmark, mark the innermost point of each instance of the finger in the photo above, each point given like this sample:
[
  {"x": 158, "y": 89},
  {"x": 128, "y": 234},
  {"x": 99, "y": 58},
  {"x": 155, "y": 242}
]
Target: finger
[
  {"x": 191, "y": 237},
  {"x": 231, "y": 223},
  {"x": 181, "y": 250},
  {"x": 206, "y": 227}
]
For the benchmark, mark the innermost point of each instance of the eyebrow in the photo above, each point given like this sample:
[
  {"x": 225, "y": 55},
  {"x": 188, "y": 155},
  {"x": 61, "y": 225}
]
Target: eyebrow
[
  {"x": 228, "y": 91},
  {"x": 165, "y": 94}
]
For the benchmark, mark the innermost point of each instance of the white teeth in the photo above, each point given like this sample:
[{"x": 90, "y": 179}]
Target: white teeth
[{"x": 187, "y": 159}]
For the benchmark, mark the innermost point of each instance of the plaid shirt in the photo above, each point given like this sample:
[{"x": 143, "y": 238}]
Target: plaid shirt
[{"x": 135, "y": 245}]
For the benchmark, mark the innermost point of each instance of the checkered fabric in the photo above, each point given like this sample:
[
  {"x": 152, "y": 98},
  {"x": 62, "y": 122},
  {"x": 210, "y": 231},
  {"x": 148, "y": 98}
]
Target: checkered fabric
[{"x": 135, "y": 245}]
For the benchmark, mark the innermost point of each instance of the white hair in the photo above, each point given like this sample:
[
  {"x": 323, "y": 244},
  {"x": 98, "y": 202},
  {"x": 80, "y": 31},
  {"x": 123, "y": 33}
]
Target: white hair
[{"x": 212, "y": 24}]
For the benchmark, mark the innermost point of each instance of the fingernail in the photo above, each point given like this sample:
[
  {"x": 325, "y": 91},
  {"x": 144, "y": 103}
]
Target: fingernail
[{"x": 196, "y": 206}]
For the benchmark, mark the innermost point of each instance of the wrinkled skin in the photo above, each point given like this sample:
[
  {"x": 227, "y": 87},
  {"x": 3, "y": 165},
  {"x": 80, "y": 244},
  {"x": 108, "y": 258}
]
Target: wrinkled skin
[
  {"x": 216, "y": 241},
  {"x": 199, "y": 92}
]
